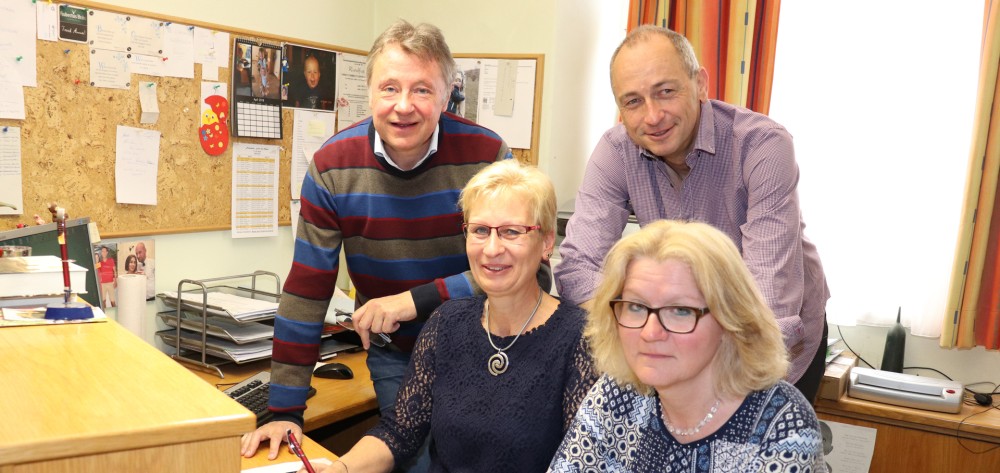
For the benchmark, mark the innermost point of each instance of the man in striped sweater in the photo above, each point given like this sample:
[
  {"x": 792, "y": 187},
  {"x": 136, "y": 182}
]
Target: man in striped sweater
[{"x": 385, "y": 192}]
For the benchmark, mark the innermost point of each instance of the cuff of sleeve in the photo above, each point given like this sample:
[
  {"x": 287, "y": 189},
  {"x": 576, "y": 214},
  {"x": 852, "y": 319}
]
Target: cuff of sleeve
[
  {"x": 426, "y": 298},
  {"x": 294, "y": 417}
]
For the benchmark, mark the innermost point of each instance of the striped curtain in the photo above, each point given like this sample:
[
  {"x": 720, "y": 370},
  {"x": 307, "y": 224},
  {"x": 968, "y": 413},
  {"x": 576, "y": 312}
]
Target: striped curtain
[
  {"x": 734, "y": 42},
  {"x": 973, "y": 317}
]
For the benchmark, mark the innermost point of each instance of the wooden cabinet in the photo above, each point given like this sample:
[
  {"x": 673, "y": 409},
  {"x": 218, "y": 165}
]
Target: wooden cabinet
[
  {"x": 913, "y": 440},
  {"x": 93, "y": 397}
]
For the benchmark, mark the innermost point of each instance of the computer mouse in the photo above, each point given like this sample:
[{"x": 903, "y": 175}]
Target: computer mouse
[{"x": 334, "y": 371}]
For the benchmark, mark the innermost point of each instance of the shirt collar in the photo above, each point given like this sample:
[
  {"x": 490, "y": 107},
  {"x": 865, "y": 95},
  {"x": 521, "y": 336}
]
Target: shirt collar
[
  {"x": 705, "y": 135},
  {"x": 705, "y": 140},
  {"x": 380, "y": 149}
]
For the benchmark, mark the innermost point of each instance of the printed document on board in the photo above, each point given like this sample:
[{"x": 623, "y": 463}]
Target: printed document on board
[{"x": 255, "y": 190}]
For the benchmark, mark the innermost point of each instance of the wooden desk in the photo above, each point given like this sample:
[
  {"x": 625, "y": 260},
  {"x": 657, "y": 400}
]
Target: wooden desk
[
  {"x": 94, "y": 398},
  {"x": 919, "y": 440},
  {"x": 335, "y": 399}
]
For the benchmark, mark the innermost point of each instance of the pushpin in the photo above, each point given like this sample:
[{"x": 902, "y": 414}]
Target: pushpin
[
  {"x": 150, "y": 84},
  {"x": 65, "y": 51},
  {"x": 19, "y": 58},
  {"x": 164, "y": 58}
]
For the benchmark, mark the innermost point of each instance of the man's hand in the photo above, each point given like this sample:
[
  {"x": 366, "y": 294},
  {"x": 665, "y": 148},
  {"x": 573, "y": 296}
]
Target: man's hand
[
  {"x": 383, "y": 315},
  {"x": 273, "y": 431}
]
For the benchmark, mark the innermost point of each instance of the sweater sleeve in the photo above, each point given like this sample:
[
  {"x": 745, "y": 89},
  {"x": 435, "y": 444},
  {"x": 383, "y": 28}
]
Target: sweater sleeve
[{"x": 305, "y": 298}]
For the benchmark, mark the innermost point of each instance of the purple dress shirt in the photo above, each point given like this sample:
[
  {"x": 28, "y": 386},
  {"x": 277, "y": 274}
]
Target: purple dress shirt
[{"x": 742, "y": 180}]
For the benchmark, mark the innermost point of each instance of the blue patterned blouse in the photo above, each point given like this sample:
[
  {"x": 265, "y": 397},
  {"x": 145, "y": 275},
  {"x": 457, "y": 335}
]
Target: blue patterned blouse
[{"x": 618, "y": 429}]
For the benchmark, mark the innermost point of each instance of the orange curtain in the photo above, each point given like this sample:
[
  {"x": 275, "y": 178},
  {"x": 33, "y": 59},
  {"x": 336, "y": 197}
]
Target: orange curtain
[
  {"x": 974, "y": 298},
  {"x": 734, "y": 42}
]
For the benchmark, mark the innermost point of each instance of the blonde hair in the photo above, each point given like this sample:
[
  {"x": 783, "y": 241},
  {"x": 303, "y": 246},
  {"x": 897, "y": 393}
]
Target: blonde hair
[
  {"x": 752, "y": 355},
  {"x": 510, "y": 177},
  {"x": 424, "y": 41}
]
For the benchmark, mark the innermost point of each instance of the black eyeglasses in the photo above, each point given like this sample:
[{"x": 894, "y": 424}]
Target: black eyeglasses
[
  {"x": 381, "y": 340},
  {"x": 480, "y": 233},
  {"x": 673, "y": 318}
]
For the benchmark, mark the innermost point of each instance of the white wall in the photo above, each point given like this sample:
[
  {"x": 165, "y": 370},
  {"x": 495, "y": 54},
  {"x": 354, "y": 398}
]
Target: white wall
[{"x": 342, "y": 22}]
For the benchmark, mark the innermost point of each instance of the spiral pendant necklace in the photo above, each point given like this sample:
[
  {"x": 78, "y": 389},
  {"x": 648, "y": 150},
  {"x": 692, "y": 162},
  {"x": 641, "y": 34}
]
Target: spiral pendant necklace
[{"x": 498, "y": 362}]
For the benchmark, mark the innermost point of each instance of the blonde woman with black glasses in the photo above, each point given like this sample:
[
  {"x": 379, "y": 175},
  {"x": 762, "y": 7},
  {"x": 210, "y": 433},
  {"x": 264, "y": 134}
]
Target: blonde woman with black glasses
[{"x": 693, "y": 362}]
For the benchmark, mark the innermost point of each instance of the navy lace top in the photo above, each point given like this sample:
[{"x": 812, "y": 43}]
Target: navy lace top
[{"x": 479, "y": 422}]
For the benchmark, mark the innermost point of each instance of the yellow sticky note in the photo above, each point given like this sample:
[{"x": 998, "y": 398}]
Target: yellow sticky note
[{"x": 316, "y": 128}]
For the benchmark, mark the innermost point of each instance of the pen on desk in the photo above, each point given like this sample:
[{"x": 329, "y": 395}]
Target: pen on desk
[
  {"x": 327, "y": 356},
  {"x": 294, "y": 446}
]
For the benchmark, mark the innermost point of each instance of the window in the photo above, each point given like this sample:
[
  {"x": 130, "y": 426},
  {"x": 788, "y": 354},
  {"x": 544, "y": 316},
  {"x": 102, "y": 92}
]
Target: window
[{"x": 879, "y": 97}]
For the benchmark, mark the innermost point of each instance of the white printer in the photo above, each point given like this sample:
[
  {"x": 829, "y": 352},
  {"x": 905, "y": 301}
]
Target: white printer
[{"x": 906, "y": 390}]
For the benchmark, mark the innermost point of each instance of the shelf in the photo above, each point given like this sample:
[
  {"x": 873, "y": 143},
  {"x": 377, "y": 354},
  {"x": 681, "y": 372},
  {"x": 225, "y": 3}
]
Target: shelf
[{"x": 217, "y": 299}]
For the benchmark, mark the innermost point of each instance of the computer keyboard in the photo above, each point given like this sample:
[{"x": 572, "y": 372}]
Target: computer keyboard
[{"x": 252, "y": 393}]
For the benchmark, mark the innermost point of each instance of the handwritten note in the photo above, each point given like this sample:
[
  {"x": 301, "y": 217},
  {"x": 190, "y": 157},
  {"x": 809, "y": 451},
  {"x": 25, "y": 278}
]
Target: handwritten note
[
  {"x": 47, "y": 17},
  {"x": 205, "y": 51},
  {"x": 11, "y": 91},
  {"x": 148, "y": 103},
  {"x": 137, "y": 156},
  {"x": 310, "y": 130},
  {"x": 178, "y": 51},
  {"x": 11, "y": 192},
  {"x": 17, "y": 39}
]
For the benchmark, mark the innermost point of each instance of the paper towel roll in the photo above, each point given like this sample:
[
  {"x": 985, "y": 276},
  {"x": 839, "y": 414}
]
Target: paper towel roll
[{"x": 132, "y": 303}]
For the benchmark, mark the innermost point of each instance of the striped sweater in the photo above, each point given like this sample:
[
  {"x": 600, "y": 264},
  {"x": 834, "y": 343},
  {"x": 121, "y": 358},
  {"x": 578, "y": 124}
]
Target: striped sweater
[{"x": 399, "y": 231}]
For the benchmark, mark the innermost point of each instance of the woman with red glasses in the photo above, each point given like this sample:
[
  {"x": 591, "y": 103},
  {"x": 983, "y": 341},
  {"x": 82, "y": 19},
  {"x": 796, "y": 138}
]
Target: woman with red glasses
[{"x": 494, "y": 379}]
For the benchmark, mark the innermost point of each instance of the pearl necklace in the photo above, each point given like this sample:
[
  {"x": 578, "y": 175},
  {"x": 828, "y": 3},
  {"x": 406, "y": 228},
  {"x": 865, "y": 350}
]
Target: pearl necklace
[
  {"x": 498, "y": 362},
  {"x": 697, "y": 428}
]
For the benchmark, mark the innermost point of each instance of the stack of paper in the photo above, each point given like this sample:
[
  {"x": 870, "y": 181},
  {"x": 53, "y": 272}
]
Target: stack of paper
[
  {"x": 243, "y": 309},
  {"x": 26, "y": 276},
  {"x": 238, "y": 333},
  {"x": 244, "y": 353}
]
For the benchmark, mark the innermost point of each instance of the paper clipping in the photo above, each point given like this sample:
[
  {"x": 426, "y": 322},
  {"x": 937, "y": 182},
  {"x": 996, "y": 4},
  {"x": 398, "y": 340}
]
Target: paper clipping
[{"x": 848, "y": 448}]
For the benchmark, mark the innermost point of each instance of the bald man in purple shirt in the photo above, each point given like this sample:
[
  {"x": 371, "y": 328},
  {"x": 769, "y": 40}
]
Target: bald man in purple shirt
[{"x": 679, "y": 155}]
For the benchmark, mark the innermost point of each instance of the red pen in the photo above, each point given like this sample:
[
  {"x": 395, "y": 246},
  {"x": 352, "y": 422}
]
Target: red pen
[{"x": 294, "y": 446}]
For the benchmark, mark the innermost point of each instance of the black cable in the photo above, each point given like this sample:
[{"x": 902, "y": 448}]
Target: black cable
[
  {"x": 851, "y": 349},
  {"x": 962, "y": 439},
  {"x": 931, "y": 369}
]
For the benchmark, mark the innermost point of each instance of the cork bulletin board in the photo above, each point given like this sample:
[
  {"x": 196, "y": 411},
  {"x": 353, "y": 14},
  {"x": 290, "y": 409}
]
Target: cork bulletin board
[{"x": 68, "y": 141}]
